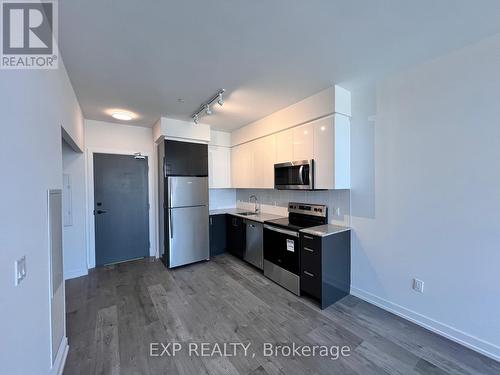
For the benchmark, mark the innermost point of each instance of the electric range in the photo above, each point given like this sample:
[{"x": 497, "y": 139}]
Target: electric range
[{"x": 282, "y": 243}]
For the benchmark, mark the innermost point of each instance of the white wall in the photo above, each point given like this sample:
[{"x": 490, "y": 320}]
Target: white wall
[
  {"x": 426, "y": 194},
  {"x": 75, "y": 235},
  {"x": 120, "y": 139},
  {"x": 34, "y": 105}
]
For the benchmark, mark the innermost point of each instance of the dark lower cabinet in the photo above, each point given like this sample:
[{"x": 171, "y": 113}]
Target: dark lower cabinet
[
  {"x": 217, "y": 234},
  {"x": 325, "y": 270},
  {"x": 236, "y": 235}
]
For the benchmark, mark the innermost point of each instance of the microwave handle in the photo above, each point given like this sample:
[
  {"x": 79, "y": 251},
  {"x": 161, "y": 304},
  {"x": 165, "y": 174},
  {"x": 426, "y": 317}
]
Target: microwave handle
[{"x": 301, "y": 174}]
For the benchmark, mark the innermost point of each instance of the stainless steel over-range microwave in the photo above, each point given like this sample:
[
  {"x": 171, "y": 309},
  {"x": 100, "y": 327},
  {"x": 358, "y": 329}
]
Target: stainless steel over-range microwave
[{"x": 294, "y": 175}]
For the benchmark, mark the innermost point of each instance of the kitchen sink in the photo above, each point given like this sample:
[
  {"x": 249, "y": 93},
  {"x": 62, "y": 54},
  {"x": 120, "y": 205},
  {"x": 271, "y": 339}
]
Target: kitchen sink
[{"x": 246, "y": 213}]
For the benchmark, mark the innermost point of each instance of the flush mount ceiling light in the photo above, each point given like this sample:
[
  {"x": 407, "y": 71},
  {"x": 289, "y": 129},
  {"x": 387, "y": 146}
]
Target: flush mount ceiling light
[
  {"x": 124, "y": 116},
  {"x": 205, "y": 107}
]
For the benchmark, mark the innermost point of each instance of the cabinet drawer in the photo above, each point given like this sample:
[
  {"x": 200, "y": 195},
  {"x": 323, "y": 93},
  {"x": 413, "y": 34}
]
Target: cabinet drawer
[
  {"x": 310, "y": 282},
  {"x": 311, "y": 260},
  {"x": 311, "y": 242}
]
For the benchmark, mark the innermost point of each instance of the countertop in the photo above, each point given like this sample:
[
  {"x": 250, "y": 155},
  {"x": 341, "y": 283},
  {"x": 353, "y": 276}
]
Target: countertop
[
  {"x": 260, "y": 217},
  {"x": 324, "y": 230}
]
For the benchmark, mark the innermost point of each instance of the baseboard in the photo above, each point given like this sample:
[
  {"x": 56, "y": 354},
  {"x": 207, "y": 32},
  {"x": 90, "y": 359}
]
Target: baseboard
[
  {"x": 60, "y": 361},
  {"x": 465, "y": 339},
  {"x": 71, "y": 274}
]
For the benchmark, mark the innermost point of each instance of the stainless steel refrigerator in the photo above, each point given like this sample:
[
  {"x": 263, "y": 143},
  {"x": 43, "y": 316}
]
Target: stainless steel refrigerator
[{"x": 187, "y": 232}]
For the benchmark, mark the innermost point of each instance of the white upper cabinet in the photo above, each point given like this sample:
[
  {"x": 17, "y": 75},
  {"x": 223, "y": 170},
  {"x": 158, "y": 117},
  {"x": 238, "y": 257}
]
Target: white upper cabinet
[
  {"x": 242, "y": 166},
  {"x": 236, "y": 166},
  {"x": 219, "y": 160},
  {"x": 264, "y": 151},
  {"x": 252, "y": 164},
  {"x": 326, "y": 141},
  {"x": 284, "y": 146},
  {"x": 278, "y": 139},
  {"x": 303, "y": 142},
  {"x": 219, "y": 167},
  {"x": 332, "y": 152}
]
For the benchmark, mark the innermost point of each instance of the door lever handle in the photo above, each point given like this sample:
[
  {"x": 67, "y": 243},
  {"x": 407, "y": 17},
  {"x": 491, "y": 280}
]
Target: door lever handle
[{"x": 99, "y": 212}]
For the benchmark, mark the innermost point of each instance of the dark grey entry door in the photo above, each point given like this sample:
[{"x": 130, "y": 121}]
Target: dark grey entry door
[{"x": 121, "y": 208}]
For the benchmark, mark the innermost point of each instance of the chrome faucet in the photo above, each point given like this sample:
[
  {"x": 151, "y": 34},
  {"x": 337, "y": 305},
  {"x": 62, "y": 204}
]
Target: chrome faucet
[{"x": 256, "y": 210}]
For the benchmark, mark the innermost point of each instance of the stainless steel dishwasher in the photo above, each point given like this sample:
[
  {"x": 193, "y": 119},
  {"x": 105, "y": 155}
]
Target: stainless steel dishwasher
[{"x": 255, "y": 246}]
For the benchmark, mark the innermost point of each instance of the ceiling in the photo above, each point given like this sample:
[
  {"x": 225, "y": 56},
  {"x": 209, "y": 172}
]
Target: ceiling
[{"x": 144, "y": 55}]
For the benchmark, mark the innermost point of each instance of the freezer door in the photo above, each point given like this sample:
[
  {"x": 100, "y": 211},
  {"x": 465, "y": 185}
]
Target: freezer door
[
  {"x": 188, "y": 235},
  {"x": 187, "y": 191}
]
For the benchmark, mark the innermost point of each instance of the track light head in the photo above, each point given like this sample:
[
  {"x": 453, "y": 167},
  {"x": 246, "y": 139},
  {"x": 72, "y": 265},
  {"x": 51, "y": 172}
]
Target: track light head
[
  {"x": 208, "y": 111},
  {"x": 195, "y": 119},
  {"x": 221, "y": 99}
]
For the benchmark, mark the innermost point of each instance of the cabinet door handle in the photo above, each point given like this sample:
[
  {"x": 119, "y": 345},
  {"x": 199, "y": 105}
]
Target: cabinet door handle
[
  {"x": 309, "y": 274},
  {"x": 308, "y": 237},
  {"x": 211, "y": 220},
  {"x": 308, "y": 249}
]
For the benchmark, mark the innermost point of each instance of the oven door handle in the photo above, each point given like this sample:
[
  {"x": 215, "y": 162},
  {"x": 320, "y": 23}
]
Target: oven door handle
[{"x": 283, "y": 231}]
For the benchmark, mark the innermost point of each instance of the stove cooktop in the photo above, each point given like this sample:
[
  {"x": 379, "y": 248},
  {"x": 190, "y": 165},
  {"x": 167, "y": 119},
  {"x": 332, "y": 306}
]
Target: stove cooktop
[
  {"x": 285, "y": 223},
  {"x": 301, "y": 216}
]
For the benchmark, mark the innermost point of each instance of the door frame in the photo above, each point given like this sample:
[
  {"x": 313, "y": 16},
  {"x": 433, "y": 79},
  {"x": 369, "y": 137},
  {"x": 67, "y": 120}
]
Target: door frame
[{"x": 89, "y": 161}]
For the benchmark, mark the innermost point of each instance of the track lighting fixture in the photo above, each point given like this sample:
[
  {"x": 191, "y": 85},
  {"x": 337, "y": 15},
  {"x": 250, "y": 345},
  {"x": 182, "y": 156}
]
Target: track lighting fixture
[{"x": 205, "y": 107}]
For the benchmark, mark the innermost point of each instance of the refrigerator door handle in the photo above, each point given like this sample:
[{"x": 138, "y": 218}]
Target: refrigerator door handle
[
  {"x": 169, "y": 192},
  {"x": 170, "y": 223}
]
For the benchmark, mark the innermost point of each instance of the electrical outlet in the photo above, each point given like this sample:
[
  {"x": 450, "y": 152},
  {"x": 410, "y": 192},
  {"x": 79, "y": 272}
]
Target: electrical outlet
[
  {"x": 20, "y": 270},
  {"x": 337, "y": 211},
  {"x": 418, "y": 285}
]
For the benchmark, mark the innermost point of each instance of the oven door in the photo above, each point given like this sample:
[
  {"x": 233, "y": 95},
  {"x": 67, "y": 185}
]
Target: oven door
[
  {"x": 295, "y": 175},
  {"x": 281, "y": 247}
]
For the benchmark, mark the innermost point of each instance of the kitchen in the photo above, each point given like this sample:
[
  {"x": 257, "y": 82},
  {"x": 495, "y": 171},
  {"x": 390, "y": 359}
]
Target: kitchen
[
  {"x": 295, "y": 246},
  {"x": 250, "y": 187}
]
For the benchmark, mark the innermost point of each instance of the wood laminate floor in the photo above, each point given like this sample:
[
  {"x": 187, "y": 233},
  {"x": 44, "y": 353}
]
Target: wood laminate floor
[{"x": 115, "y": 313}]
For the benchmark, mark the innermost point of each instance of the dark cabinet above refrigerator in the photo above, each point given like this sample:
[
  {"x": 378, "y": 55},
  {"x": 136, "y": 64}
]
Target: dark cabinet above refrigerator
[{"x": 185, "y": 159}]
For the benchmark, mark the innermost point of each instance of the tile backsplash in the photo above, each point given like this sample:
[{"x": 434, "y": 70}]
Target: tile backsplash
[
  {"x": 221, "y": 198},
  {"x": 276, "y": 201}
]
